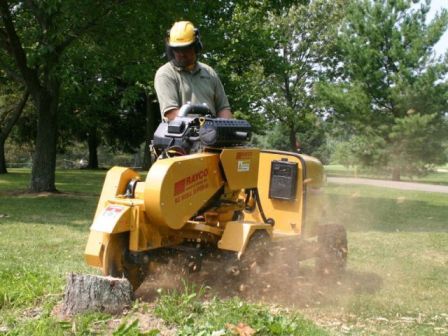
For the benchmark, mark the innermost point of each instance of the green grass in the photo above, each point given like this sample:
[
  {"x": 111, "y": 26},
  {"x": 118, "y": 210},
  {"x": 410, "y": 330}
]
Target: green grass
[
  {"x": 398, "y": 261},
  {"x": 41, "y": 240},
  {"x": 363, "y": 208},
  {"x": 438, "y": 177},
  {"x": 396, "y": 280},
  {"x": 194, "y": 316}
]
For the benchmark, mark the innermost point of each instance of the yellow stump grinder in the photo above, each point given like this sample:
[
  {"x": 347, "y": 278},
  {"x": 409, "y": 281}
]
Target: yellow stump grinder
[{"x": 209, "y": 192}]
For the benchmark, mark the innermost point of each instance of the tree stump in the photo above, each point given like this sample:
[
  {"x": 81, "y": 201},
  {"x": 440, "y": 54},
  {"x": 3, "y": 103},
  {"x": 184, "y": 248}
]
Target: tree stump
[{"x": 96, "y": 293}]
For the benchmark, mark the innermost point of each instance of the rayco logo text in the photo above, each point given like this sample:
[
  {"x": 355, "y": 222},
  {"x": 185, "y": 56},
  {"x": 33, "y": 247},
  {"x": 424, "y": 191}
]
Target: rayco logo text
[{"x": 190, "y": 185}]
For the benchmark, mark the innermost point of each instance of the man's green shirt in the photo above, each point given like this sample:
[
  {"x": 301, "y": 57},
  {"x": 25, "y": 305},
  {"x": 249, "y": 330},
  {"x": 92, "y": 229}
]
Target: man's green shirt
[{"x": 175, "y": 87}]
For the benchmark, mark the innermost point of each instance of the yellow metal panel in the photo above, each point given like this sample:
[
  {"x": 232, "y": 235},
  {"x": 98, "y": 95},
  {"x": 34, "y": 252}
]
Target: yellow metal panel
[
  {"x": 240, "y": 167},
  {"x": 140, "y": 192},
  {"x": 287, "y": 214},
  {"x": 94, "y": 249},
  {"x": 115, "y": 183},
  {"x": 115, "y": 218},
  {"x": 315, "y": 204},
  {"x": 177, "y": 188},
  {"x": 237, "y": 234},
  {"x": 315, "y": 176}
]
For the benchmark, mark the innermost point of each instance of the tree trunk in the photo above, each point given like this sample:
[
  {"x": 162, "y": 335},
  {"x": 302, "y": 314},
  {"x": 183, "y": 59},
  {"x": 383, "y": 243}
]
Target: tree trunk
[
  {"x": 44, "y": 159},
  {"x": 3, "y": 169},
  {"x": 152, "y": 113},
  {"x": 293, "y": 140},
  {"x": 85, "y": 293},
  {"x": 92, "y": 141}
]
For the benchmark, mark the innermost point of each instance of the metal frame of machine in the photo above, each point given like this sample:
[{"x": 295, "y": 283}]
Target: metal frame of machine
[{"x": 216, "y": 198}]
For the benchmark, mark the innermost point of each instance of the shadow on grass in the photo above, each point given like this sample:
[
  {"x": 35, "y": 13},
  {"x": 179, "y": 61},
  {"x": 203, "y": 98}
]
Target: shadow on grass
[
  {"x": 361, "y": 213},
  {"x": 83, "y": 181},
  {"x": 14, "y": 181},
  {"x": 61, "y": 210}
]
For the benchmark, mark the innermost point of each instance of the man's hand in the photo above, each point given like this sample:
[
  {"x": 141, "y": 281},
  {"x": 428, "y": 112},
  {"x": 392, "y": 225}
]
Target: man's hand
[
  {"x": 225, "y": 113},
  {"x": 171, "y": 114}
]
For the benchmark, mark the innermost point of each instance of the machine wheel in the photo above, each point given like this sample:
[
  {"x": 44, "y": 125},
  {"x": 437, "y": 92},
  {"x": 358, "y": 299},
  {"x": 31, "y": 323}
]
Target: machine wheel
[
  {"x": 257, "y": 251},
  {"x": 332, "y": 251},
  {"x": 115, "y": 262}
]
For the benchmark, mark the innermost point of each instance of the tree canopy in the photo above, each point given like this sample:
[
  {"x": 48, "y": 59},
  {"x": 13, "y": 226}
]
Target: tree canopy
[
  {"x": 390, "y": 90},
  {"x": 361, "y": 71}
]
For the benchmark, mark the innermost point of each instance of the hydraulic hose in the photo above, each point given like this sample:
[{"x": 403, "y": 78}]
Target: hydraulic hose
[{"x": 269, "y": 221}]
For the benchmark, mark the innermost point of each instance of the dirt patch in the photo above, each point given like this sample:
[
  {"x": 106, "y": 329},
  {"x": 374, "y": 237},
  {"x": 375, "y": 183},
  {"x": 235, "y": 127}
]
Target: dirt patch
[
  {"x": 148, "y": 321},
  {"x": 143, "y": 314},
  {"x": 280, "y": 281}
]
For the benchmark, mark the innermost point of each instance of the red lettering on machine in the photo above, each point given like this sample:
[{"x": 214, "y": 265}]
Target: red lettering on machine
[{"x": 181, "y": 185}]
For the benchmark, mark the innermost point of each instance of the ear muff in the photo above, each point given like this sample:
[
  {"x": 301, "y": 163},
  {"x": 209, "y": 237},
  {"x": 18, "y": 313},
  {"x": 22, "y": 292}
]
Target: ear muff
[{"x": 197, "y": 41}]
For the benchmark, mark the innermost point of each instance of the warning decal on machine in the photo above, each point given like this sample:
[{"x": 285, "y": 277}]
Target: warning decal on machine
[
  {"x": 109, "y": 217},
  {"x": 243, "y": 165}
]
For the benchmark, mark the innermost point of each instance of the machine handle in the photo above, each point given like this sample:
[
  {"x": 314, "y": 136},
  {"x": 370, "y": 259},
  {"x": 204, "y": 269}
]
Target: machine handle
[{"x": 189, "y": 108}]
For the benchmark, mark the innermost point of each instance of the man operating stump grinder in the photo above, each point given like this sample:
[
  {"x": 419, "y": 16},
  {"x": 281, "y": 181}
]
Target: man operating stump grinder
[
  {"x": 224, "y": 198},
  {"x": 184, "y": 79}
]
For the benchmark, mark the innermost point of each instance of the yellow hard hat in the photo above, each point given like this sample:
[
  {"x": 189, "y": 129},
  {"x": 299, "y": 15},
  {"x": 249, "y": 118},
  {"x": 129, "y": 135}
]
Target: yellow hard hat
[{"x": 182, "y": 34}]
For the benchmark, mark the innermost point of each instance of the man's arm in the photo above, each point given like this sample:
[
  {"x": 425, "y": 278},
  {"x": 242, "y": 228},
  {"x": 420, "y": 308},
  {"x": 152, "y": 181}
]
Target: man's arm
[{"x": 167, "y": 93}]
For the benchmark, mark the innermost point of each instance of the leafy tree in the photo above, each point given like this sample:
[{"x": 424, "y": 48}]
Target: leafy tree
[
  {"x": 9, "y": 114},
  {"x": 312, "y": 141},
  {"x": 109, "y": 82},
  {"x": 241, "y": 52},
  {"x": 39, "y": 38},
  {"x": 271, "y": 55},
  {"x": 391, "y": 93},
  {"x": 303, "y": 34},
  {"x": 415, "y": 137},
  {"x": 97, "y": 105},
  {"x": 34, "y": 36}
]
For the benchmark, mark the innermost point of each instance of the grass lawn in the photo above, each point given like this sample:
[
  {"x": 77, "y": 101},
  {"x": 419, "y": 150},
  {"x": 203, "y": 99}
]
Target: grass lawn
[
  {"x": 398, "y": 262},
  {"x": 396, "y": 281}
]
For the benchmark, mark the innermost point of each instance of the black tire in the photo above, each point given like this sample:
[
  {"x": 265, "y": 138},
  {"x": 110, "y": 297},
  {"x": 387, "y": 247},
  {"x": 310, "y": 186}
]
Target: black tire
[
  {"x": 332, "y": 251},
  {"x": 257, "y": 250}
]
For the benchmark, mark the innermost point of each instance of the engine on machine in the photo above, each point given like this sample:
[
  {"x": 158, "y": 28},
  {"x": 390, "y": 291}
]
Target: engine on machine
[{"x": 194, "y": 128}]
